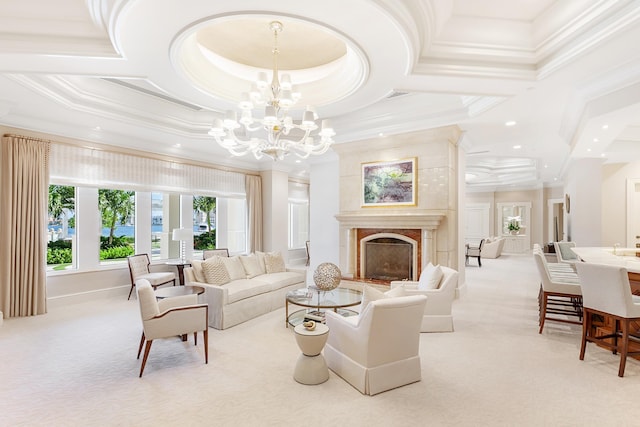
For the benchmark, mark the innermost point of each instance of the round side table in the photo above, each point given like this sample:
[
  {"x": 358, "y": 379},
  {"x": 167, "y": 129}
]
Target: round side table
[{"x": 311, "y": 368}]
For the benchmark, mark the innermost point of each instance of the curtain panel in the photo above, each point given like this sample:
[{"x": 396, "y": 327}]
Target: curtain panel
[
  {"x": 24, "y": 187},
  {"x": 254, "y": 213}
]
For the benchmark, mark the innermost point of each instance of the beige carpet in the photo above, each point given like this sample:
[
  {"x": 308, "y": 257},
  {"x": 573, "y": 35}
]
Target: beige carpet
[{"x": 76, "y": 366}]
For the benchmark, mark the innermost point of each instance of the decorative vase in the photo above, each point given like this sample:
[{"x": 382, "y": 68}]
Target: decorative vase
[{"x": 327, "y": 276}]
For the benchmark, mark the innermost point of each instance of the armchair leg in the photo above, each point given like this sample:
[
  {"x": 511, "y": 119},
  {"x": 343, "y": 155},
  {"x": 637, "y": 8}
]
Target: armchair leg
[
  {"x": 206, "y": 345},
  {"x": 195, "y": 338},
  {"x": 146, "y": 354},
  {"x": 131, "y": 290},
  {"x": 141, "y": 343}
]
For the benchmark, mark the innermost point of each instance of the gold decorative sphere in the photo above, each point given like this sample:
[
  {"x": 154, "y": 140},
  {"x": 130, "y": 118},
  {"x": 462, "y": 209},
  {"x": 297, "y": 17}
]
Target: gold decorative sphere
[{"x": 327, "y": 276}]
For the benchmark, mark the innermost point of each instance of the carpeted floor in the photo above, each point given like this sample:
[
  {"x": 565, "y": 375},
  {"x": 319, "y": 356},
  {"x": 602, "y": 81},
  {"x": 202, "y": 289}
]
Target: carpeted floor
[{"x": 76, "y": 366}]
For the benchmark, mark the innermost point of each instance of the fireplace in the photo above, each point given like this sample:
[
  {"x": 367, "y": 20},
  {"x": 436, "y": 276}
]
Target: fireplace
[
  {"x": 417, "y": 229},
  {"x": 388, "y": 254},
  {"x": 387, "y": 258}
]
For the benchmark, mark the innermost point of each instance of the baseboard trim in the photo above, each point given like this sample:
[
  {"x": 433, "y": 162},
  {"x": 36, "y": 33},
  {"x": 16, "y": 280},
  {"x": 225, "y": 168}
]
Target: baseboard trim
[{"x": 80, "y": 297}]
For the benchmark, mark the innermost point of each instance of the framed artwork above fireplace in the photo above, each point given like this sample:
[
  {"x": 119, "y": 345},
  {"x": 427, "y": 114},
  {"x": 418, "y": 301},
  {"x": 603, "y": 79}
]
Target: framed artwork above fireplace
[{"x": 390, "y": 183}]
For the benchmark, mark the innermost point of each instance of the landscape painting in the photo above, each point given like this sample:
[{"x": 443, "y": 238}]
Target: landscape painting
[{"x": 389, "y": 183}]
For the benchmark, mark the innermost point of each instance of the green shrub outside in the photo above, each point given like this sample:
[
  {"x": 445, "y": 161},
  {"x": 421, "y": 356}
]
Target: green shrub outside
[
  {"x": 59, "y": 252},
  {"x": 206, "y": 240},
  {"x": 58, "y": 256},
  {"x": 116, "y": 252}
]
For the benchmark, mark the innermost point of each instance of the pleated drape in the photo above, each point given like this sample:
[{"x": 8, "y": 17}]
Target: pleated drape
[
  {"x": 253, "y": 185},
  {"x": 24, "y": 185}
]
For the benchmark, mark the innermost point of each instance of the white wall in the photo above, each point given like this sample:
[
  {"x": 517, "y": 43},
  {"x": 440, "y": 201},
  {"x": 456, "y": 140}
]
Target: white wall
[
  {"x": 584, "y": 186},
  {"x": 275, "y": 209},
  {"x": 614, "y": 218},
  {"x": 323, "y": 206}
]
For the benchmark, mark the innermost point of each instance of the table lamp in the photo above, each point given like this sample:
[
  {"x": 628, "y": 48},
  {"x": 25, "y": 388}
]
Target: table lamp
[{"x": 183, "y": 235}]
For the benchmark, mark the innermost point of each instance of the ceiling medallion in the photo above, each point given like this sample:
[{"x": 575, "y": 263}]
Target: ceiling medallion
[{"x": 277, "y": 134}]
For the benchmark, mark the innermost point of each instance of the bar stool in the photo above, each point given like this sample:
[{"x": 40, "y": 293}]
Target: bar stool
[{"x": 606, "y": 292}]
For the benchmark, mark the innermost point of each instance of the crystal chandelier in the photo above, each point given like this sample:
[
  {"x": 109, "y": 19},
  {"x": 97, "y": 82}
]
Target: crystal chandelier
[{"x": 283, "y": 134}]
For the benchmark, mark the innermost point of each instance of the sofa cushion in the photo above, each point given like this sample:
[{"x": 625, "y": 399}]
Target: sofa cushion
[
  {"x": 196, "y": 267},
  {"x": 260, "y": 256},
  {"x": 251, "y": 265},
  {"x": 430, "y": 277},
  {"x": 274, "y": 262},
  {"x": 245, "y": 288},
  {"x": 215, "y": 272},
  {"x": 234, "y": 267},
  {"x": 281, "y": 280}
]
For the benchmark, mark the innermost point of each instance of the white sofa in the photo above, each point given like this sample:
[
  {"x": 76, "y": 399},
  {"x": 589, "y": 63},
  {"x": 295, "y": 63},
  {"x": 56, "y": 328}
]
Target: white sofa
[
  {"x": 437, "y": 312},
  {"x": 243, "y": 298},
  {"x": 492, "y": 247}
]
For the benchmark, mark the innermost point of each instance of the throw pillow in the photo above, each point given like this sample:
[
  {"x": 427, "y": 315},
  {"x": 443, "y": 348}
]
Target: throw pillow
[
  {"x": 196, "y": 267},
  {"x": 274, "y": 262},
  {"x": 234, "y": 267},
  {"x": 251, "y": 265},
  {"x": 370, "y": 294},
  {"x": 260, "y": 256},
  {"x": 430, "y": 277},
  {"x": 215, "y": 272},
  {"x": 398, "y": 291}
]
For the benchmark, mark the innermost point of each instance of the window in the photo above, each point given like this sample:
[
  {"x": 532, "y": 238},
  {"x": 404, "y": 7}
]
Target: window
[
  {"x": 61, "y": 228},
  {"x": 117, "y": 213},
  {"x": 204, "y": 224},
  {"x": 298, "y": 224},
  {"x": 237, "y": 225},
  {"x": 158, "y": 236}
]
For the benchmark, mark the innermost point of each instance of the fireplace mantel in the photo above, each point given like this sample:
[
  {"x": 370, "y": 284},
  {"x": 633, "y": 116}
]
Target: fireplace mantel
[{"x": 429, "y": 221}]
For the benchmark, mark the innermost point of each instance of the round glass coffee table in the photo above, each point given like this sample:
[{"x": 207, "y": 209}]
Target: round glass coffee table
[{"x": 316, "y": 301}]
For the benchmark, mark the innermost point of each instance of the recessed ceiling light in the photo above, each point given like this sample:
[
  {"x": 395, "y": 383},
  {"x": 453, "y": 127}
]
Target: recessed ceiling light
[
  {"x": 381, "y": 134},
  {"x": 510, "y": 123},
  {"x": 546, "y": 166},
  {"x": 177, "y": 145},
  {"x": 595, "y": 140},
  {"x": 588, "y": 150},
  {"x": 98, "y": 128},
  {"x": 298, "y": 161},
  {"x": 517, "y": 147},
  {"x": 605, "y": 127},
  {"x": 555, "y": 178}
]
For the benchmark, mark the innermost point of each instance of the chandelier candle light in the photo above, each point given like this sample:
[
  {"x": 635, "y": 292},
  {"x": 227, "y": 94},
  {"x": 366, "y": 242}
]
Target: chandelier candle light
[{"x": 283, "y": 135}]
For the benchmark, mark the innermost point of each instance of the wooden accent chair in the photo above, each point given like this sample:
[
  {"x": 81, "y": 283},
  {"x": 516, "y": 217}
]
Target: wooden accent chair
[
  {"x": 473, "y": 252},
  {"x": 307, "y": 245},
  {"x": 606, "y": 292},
  {"x": 170, "y": 317},
  {"x": 208, "y": 253},
  {"x": 139, "y": 269},
  {"x": 560, "y": 297}
]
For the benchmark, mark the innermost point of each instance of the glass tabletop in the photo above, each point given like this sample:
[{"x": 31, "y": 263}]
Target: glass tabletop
[{"x": 338, "y": 297}]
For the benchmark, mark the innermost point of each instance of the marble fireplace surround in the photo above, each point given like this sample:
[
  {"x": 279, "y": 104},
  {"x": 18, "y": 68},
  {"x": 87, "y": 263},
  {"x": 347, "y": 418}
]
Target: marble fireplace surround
[{"x": 350, "y": 223}]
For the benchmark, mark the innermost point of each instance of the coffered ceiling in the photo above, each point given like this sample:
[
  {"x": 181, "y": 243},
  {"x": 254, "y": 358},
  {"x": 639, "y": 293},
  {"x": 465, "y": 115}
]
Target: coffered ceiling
[{"x": 534, "y": 84}]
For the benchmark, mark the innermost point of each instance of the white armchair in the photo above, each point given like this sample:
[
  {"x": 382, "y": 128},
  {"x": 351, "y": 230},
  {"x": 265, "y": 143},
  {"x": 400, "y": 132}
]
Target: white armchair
[
  {"x": 377, "y": 350},
  {"x": 437, "y": 315},
  {"x": 492, "y": 248},
  {"x": 170, "y": 317}
]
